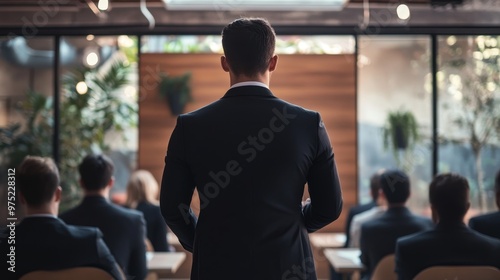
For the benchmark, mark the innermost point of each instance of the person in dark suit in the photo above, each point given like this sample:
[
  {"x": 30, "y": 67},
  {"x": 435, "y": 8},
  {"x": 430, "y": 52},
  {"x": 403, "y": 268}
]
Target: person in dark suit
[
  {"x": 124, "y": 229},
  {"x": 451, "y": 242},
  {"x": 489, "y": 224},
  {"x": 353, "y": 211},
  {"x": 250, "y": 155},
  {"x": 42, "y": 241},
  {"x": 379, "y": 236},
  {"x": 142, "y": 195}
]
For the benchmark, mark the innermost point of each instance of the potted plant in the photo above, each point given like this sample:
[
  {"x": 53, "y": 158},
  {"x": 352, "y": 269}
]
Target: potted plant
[
  {"x": 400, "y": 132},
  {"x": 176, "y": 90}
]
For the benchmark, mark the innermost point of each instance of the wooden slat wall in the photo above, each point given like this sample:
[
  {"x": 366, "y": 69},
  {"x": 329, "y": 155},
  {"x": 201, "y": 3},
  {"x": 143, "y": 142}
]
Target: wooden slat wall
[{"x": 324, "y": 83}]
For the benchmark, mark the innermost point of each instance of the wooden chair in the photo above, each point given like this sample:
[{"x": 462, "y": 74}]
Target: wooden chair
[
  {"x": 459, "y": 272},
  {"x": 77, "y": 273},
  {"x": 385, "y": 269}
]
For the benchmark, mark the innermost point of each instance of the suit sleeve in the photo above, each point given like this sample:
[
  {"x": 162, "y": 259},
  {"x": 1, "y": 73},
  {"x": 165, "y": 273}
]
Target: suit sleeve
[
  {"x": 363, "y": 246},
  {"x": 324, "y": 185},
  {"x": 138, "y": 264},
  {"x": 160, "y": 234},
  {"x": 106, "y": 259},
  {"x": 177, "y": 188}
]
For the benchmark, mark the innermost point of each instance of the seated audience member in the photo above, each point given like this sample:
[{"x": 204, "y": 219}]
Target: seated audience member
[
  {"x": 379, "y": 236},
  {"x": 124, "y": 229},
  {"x": 361, "y": 218},
  {"x": 42, "y": 241},
  {"x": 451, "y": 242},
  {"x": 489, "y": 224},
  {"x": 142, "y": 195},
  {"x": 374, "y": 190}
]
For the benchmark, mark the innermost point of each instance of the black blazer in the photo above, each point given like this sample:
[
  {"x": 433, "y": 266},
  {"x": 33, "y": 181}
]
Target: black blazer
[
  {"x": 488, "y": 224},
  {"x": 155, "y": 225},
  {"x": 353, "y": 211},
  {"x": 46, "y": 243},
  {"x": 124, "y": 231},
  {"x": 379, "y": 236},
  {"x": 445, "y": 245},
  {"x": 249, "y": 155}
]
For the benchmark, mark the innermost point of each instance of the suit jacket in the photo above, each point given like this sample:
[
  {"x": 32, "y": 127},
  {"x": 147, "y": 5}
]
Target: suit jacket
[
  {"x": 47, "y": 243},
  {"x": 249, "y": 155},
  {"x": 155, "y": 226},
  {"x": 488, "y": 224},
  {"x": 352, "y": 212},
  {"x": 453, "y": 244},
  {"x": 379, "y": 236},
  {"x": 124, "y": 231}
]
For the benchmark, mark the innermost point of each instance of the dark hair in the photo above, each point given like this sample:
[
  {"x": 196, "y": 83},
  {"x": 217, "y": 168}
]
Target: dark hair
[
  {"x": 449, "y": 196},
  {"x": 96, "y": 171},
  {"x": 396, "y": 186},
  {"x": 37, "y": 179},
  {"x": 375, "y": 185},
  {"x": 248, "y": 45}
]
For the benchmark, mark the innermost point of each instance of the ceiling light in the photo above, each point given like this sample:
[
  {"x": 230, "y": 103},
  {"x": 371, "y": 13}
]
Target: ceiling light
[
  {"x": 81, "y": 87},
  {"x": 103, "y": 5},
  {"x": 92, "y": 59},
  {"x": 90, "y": 37},
  {"x": 256, "y": 5},
  {"x": 403, "y": 11}
]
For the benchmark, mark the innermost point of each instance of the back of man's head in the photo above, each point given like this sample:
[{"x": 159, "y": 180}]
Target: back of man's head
[
  {"x": 96, "y": 172},
  {"x": 37, "y": 179},
  {"x": 449, "y": 197},
  {"x": 248, "y": 45},
  {"x": 396, "y": 186},
  {"x": 375, "y": 185}
]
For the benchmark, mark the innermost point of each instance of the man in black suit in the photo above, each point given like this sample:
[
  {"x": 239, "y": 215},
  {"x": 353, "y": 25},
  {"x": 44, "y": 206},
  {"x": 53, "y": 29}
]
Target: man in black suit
[
  {"x": 42, "y": 241},
  {"x": 250, "y": 155},
  {"x": 451, "y": 242},
  {"x": 379, "y": 236},
  {"x": 124, "y": 229},
  {"x": 374, "y": 191},
  {"x": 489, "y": 224}
]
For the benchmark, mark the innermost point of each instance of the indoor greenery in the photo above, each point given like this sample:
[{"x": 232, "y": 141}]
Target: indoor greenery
[
  {"x": 400, "y": 132},
  {"x": 176, "y": 90},
  {"x": 85, "y": 119}
]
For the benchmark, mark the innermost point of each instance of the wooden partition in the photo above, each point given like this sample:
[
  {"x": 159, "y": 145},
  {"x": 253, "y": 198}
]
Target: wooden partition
[{"x": 324, "y": 83}]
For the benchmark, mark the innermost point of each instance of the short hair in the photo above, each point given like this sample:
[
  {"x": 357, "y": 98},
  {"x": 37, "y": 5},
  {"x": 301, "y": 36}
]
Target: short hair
[
  {"x": 449, "y": 196},
  {"x": 37, "y": 179},
  {"x": 96, "y": 171},
  {"x": 396, "y": 186},
  {"x": 142, "y": 187},
  {"x": 248, "y": 45},
  {"x": 375, "y": 185}
]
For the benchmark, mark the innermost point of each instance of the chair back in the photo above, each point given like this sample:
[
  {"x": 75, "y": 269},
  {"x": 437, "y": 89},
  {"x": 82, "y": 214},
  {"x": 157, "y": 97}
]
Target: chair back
[
  {"x": 459, "y": 272},
  {"x": 385, "y": 269},
  {"x": 77, "y": 273}
]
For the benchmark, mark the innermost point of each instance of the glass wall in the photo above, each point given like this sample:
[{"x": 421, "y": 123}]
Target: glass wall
[
  {"x": 395, "y": 112},
  {"x": 469, "y": 113},
  {"x": 26, "y": 111},
  {"x": 98, "y": 107}
]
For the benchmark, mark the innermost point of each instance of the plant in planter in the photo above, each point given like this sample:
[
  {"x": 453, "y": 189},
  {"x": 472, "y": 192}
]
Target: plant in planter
[
  {"x": 176, "y": 90},
  {"x": 400, "y": 132}
]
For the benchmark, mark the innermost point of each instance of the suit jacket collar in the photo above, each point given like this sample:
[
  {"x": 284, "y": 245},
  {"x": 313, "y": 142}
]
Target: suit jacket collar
[
  {"x": 446, "y": 226},
  {"x": 399, "y": 210},
  {"x": 40, "y": 220},
  {"x": 256, "y": 91}
]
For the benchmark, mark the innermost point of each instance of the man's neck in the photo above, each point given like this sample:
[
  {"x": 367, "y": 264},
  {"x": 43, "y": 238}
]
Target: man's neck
[
  {"x": 103, "y": 192},
  {"x": 43, "y": 210},
  {"x": 262, "y": 78}
]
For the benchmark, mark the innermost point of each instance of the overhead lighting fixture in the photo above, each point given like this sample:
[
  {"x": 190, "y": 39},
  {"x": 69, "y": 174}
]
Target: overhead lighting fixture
[
  {"x": 256, "y": 5},
  {"x": 403, "y": 11},
  {"x": 103, "y": 5}
]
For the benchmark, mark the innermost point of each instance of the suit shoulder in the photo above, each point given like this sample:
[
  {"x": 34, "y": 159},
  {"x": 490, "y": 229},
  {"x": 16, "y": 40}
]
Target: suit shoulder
[
  {"x": 84, "y": 231},
  {"x": 486, "y": 217}
]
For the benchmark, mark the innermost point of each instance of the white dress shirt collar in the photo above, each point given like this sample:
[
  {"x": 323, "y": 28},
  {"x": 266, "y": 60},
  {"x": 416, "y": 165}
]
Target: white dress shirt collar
[{"x": 250, "y": 83}]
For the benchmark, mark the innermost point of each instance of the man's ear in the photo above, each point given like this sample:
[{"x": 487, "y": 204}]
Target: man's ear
[
  {"x": 111, "y": 182},
  {"x": 58, "y": 194},
  {"x": 273, "y": 63},
  {"x": 224, "y": 64}
]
